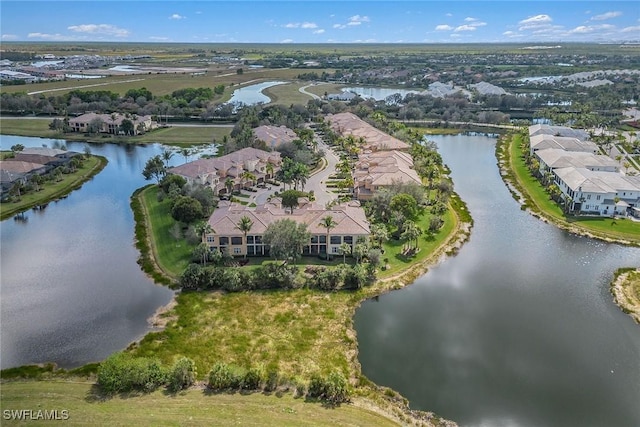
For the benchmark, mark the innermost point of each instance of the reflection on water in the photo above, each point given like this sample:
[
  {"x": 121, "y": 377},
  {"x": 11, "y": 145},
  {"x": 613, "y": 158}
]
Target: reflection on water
[
  {"x": 72, "y": 291},
  {"x": 251, "y": 95},
  {"x": 518, "y": 329}
]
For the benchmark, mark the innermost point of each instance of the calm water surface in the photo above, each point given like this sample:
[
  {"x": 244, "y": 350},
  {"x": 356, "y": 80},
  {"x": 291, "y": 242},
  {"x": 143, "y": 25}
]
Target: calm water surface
[
  {"x": 518, "y": 329},
  {"x": 250, "y": 95},
  {"x": 71, "y": 291}
]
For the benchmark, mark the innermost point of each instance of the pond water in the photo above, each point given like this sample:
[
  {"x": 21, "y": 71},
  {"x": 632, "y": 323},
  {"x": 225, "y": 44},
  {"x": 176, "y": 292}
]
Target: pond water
[
  {"x": 252, "y": 94},
  {"x": 71, "y": 289},
  {"x": 518, "y": 329}
]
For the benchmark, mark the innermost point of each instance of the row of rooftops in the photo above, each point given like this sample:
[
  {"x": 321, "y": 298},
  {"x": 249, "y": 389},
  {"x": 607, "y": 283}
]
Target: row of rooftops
[
  {"x": 349, "y": 217},
  {"x": 29, "y": 161},
  {"x": 375, "y": 139}
]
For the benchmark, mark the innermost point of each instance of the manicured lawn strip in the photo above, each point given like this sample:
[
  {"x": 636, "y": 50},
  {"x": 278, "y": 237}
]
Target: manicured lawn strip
[
  {"x": 287, "y": 94},
  {"x": 52, "y": 190},
  {"x": 190, "y": 408},
  {"x": 187, "y": 135},
  {"x": 172, "y": 255},
  {"x": 539, "y": 201},
  {"x": 393, "y": 248}
]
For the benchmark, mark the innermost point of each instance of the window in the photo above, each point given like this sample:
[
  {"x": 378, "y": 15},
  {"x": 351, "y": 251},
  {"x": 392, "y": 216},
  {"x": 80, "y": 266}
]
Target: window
[
  {"x": 598, "y": 197},
  {"x": 249, "y": 239},
  {"x": 314, "y": 239},
  {"x": 334, "y": 250},
  {"x": 210, "y": 239},
  {"x": 322, "y": 239},
  {"x": 224, "y": 241},
  {"x": 336, "y": 240},
  {"x": 258, "y": 240},
  {"x": 588, "y": 196},
  {"x": 237, "y": 251},
  {"x": 236, "y": 240},
  {"x": 348, "y": 239}
]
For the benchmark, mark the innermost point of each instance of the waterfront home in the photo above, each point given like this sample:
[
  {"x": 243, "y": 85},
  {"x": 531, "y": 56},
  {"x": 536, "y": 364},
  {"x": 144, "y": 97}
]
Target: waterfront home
[
  {"x": 110, "y": 123},
  {"x": 554, "y": 158},
  {"x": 342, "y": 96},
  {"x": 350, "y": 219},
  {"x": 228, "y": 171},
  {"x": 380, "y": 169},
  {"x": 345, "y": 124},
  {"x": 597, "y": 192},
  {"x": 566, "y": 143},
  {"x": 543, "y": 129},
  {"x": 13, "y": 171},
  {"x": 274, "y": 136}
]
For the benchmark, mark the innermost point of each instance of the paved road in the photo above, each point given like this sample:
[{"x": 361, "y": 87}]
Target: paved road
[{"x": 303, "y": 90}]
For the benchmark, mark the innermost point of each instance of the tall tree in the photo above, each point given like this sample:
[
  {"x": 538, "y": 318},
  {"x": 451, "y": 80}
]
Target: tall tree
[
  {"x": 166, "y": 156},
  {"x": 345, "y": 249},
  {"x": 290, "y": 199},
  {"x": 245, "y": 225},
  {"x": 286, "y": 239},
  {"x": 328, "y": 223},
  {"x": 154, "y": 168},
  {"x": 411, "y": 233}
]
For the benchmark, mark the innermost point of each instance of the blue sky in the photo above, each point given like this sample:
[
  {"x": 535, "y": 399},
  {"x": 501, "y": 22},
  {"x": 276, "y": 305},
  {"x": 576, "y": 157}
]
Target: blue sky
[{"x": 321, "y": 21}]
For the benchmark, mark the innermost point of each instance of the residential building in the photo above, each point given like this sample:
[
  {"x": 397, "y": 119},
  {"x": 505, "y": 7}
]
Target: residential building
[
  {"x": 566, "y": 143},
  {"x": 18, "y": 171},
  {"x": 218, "y": 172},
  {"x": 111, "y": 123},
  {"x": 373, "y": 139},
  {"x": 342, "y": 96},
  {"x": 274, "y": 136},
  {"x": 350, "y": 219},
  {"x": 598, "y": 192},
  {"x": 543, "y": 129},
  {"x": 380, "y": 169},
  {"x": 554, "y": 158}
]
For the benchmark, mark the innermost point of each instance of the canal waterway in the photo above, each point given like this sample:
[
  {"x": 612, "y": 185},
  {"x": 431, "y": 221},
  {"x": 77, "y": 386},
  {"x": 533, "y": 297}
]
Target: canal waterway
[
  {"x": 518, "y": 329},
  {"x": 71, "y": 291},
  {"x": 251, "y": 95}
]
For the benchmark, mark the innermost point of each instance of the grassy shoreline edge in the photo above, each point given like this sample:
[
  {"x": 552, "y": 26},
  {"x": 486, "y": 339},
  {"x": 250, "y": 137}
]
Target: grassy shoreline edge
[
  {"x": 625, "y": 280},
  {"x": 77, "y": 182}
]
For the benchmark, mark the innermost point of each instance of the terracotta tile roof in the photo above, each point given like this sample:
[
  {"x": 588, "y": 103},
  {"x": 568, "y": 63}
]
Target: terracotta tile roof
[
  {"x": 273, "y": 136},
  {"x": 350, "y": 124}
]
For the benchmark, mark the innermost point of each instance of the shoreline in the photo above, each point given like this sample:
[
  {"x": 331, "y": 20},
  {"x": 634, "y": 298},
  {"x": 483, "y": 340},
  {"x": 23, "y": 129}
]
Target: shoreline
[
  {"x": 520, "y": 195},
  {"x": 623, "y": 296}
]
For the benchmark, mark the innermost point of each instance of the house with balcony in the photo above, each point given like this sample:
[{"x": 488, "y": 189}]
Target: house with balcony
[
  {"x": 566, "y": 143},
  {"x": 228, "y": 171},
  {"x": 110, "y": 123},
  {"x": 382, "y": 169},
  {"x": 350, "y": 219},
  {"x": 554, "y": 158},
  {"x": 345, "y": 124},
  {"x": 274, "y": 136}
]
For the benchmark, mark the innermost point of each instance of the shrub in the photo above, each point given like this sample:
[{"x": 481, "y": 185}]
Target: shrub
[
  {"x": 332, "y": 388},
  {"x": 272, "y": 380},
  {"x": 121, "y": 373},
  {"x": 224, "y": 376},
  {"x": 182, "y": 374},
  {"x": 252, "y": 379}
]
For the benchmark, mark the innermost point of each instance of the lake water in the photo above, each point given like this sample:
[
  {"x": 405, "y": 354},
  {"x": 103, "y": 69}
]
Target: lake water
[
  {"x": 379, "y": 94},
  {"x": 251, "y": 95},
  {"x": 71, "y": 290},
  {"x": 518, "y": 329}
]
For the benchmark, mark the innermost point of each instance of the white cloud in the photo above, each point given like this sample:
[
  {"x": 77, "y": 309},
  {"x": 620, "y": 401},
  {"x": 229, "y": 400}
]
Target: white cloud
[
  {"x": 339, "y": 26},
  {"x": 199, "y": 12},
  {"x": 177, "y": 16},
  {"x": 305, "y": 25},
  {"x": 630, "y": 29},
  {"x": 469, "y": 19},
  {"x": 585, "y": 29},
  {"x": 9, "y": 37},
  {"x": 357, "y": 20},
  {"x": 536, "y": 21},
  {"x": 319, "y": 31},
  {"x": 448, "y": 14},
  {"x": 465, "y": 28},
  {"x": 606, "y": 16},
  {"x": 444, "y": 27},
  {"x": 286, "y": 41},
  {"x": 45, "y": 36},
  {"x": 105, "y": 29}
]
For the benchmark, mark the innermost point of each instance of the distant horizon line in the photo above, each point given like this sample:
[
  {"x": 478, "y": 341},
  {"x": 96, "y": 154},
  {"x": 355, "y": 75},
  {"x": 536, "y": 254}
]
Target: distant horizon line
[{"x": 542, "y": 43}]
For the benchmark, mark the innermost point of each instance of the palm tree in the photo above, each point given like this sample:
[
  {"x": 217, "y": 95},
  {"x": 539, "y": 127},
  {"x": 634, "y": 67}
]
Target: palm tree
[
  {"x": 166, "y": 156},
  {"x": 245, "y": 225},
  {"x": 269, "y": 170},
  {"x": 185, "y": 152},
  {"x": 228, "y": 184},
  {"x": 379, "y": 234},
  {"x": 202, "y": 229},
  {"x": 328, "y": 222},
  {"x": 247, "y": 177},
  {"x": 345, "y": 249},
  {"x": 411, "y": 232}
]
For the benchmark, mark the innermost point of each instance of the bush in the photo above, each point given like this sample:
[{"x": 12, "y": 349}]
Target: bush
[
  {"x": 272, "y": 380},
  {"x": 121, "y": 373},
  {"x": 182, "y": 374},
  {"x": 252, "y": 379},
  {"x": 332, "y": 389},
  {"x": 224, "y": 376}
]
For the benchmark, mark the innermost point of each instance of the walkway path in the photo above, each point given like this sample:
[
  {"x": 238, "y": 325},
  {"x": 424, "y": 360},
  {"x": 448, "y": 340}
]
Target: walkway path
[
  {"x": 83, "y": 86},
  {"x": 312, "y": 95}
]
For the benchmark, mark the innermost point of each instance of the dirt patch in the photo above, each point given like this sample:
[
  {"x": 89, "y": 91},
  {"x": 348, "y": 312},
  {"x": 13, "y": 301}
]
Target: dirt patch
[
  {"x": 622, "y": 289},
  {"x": 163, "y": 315}
]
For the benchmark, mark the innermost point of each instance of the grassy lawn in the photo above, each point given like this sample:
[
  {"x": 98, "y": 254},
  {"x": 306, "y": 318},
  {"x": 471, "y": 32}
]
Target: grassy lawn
[
  {"x": 189, "y": 408},
  {"x": 297, "y": 332},
  {"x": 187, "y": 135},
  {"x": 53, "y": 190},
  {"x": 538, "y": 200},
  {"x": 393, "y": 248},
  {"x": 287, "y": 94},
  {"x": 172, "y": 255}
]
